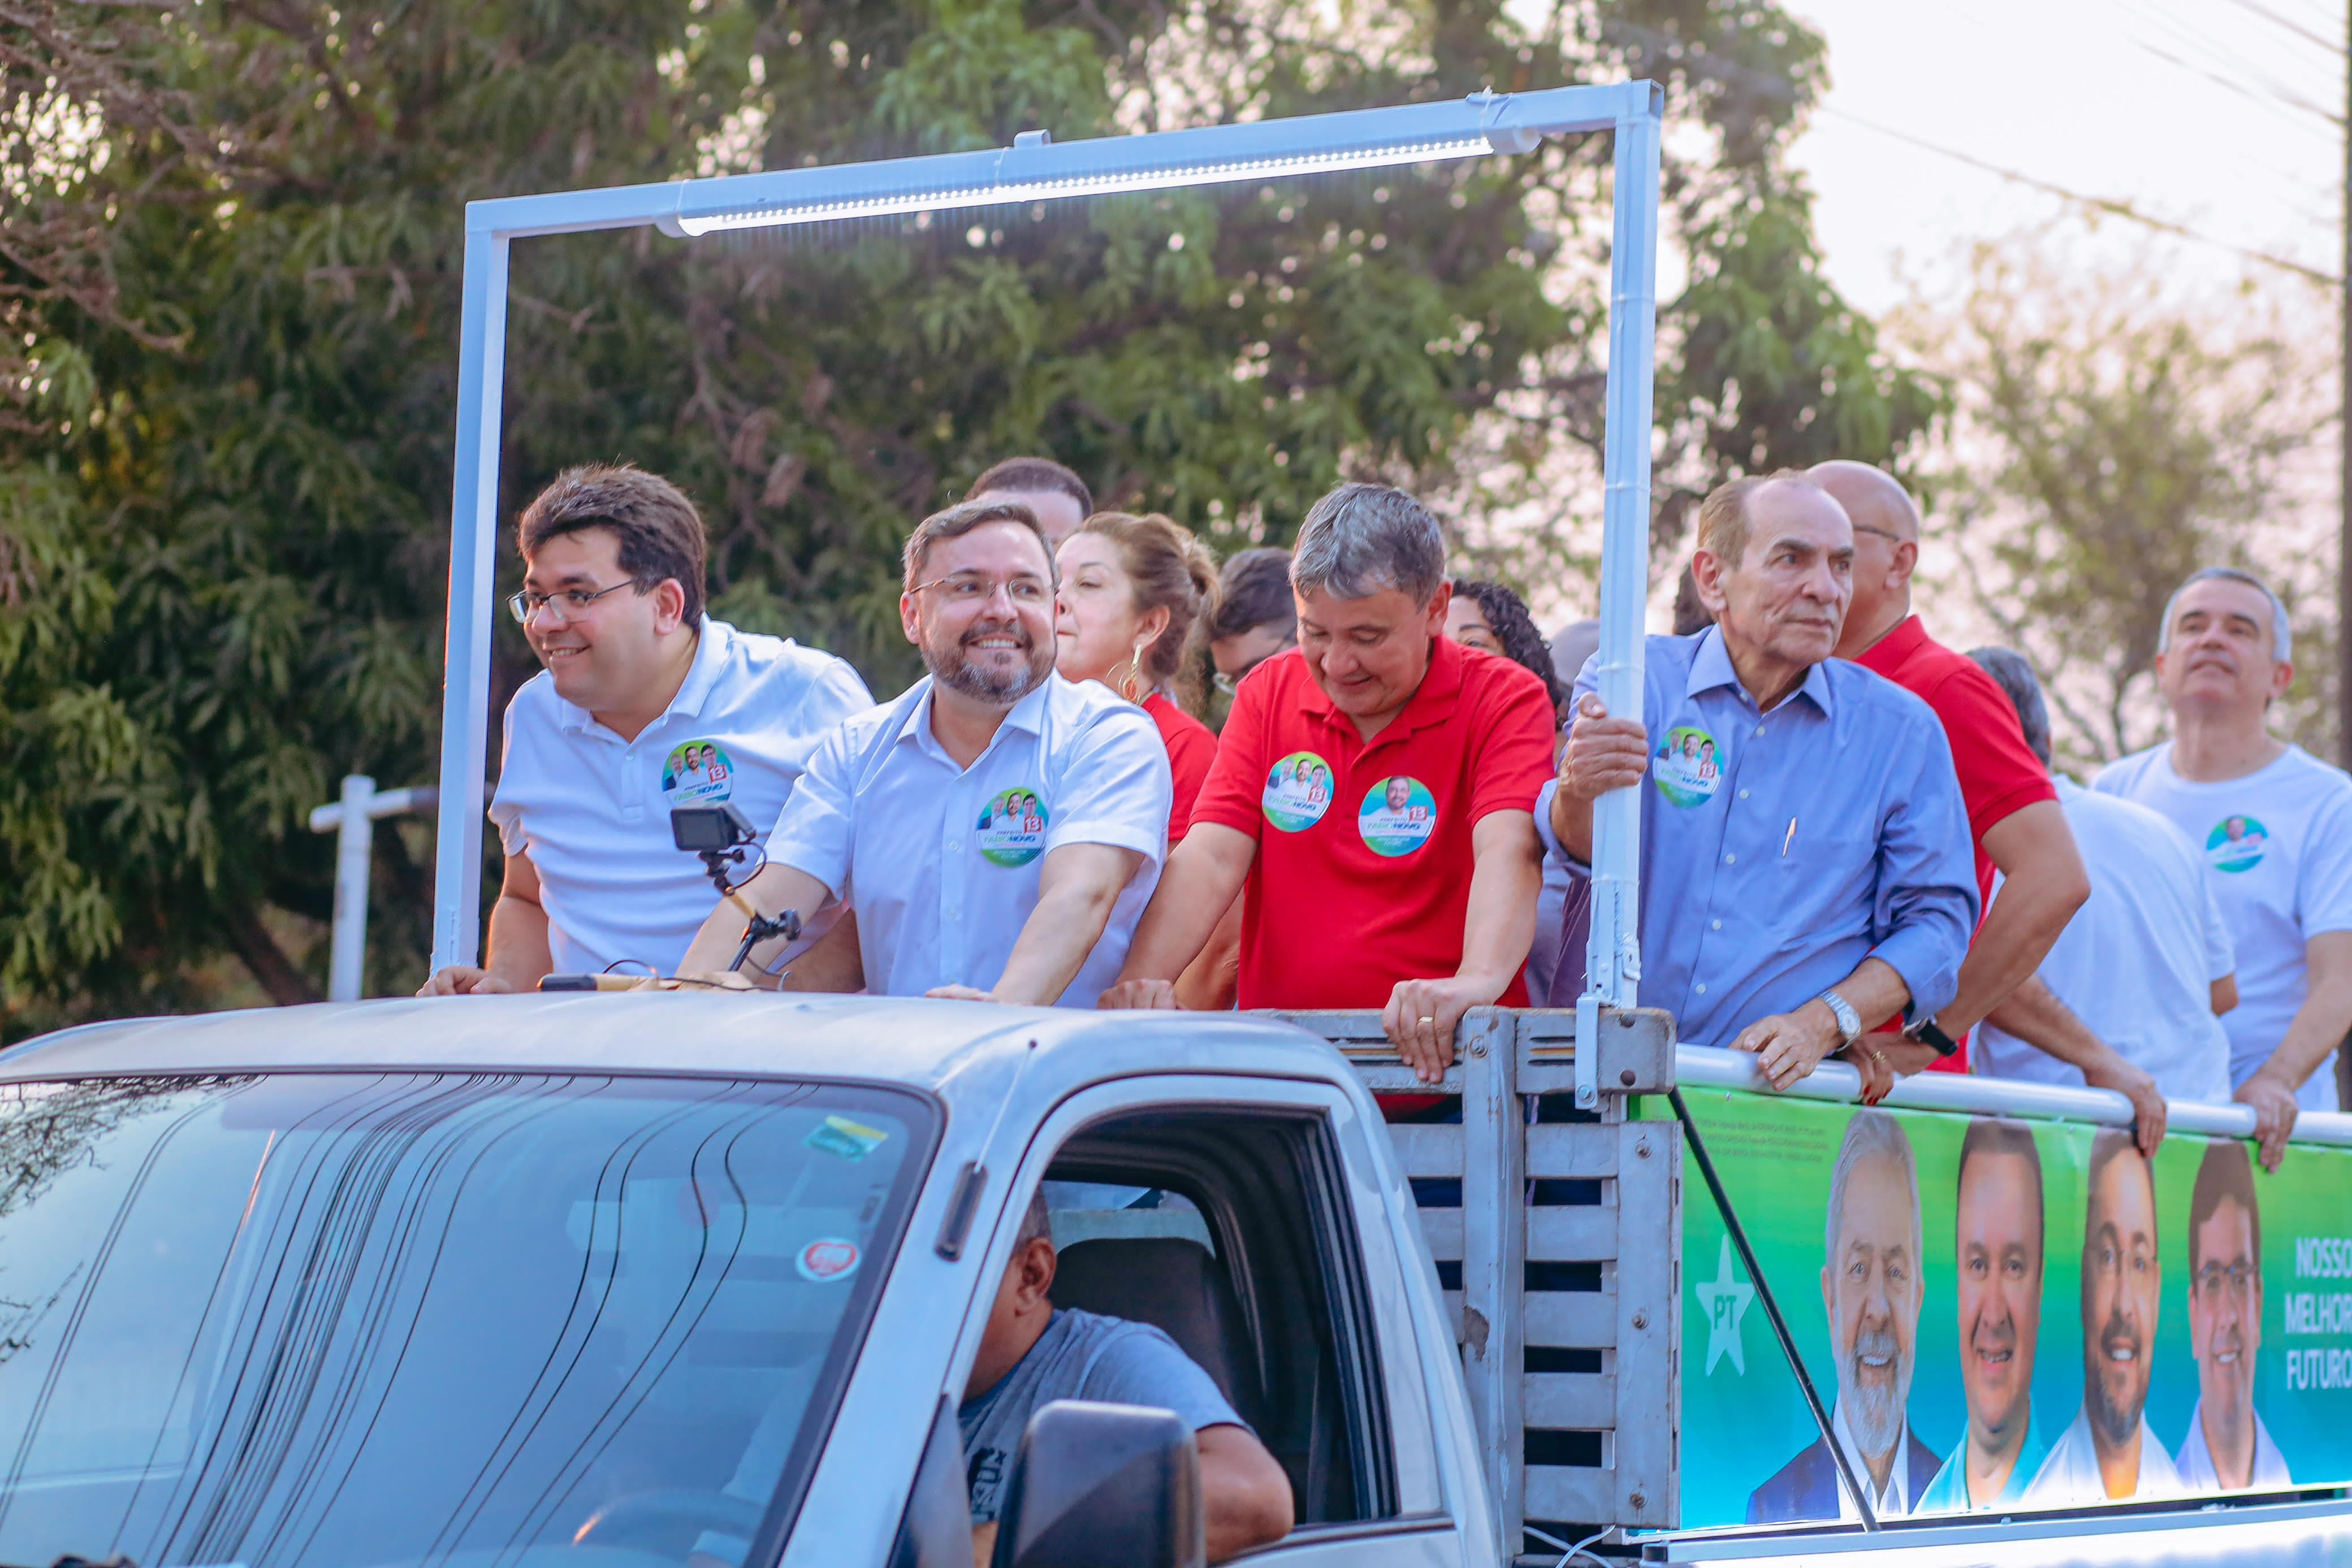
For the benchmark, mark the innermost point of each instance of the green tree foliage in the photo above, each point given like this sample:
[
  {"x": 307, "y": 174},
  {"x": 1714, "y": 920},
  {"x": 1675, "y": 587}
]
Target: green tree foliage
[
  {"x": 2113, "y": 434},
  {"x": 224, "y": 494}
]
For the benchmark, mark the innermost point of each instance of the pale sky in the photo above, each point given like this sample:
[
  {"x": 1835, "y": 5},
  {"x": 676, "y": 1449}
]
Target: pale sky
[{"x": 2077, "y": 93}]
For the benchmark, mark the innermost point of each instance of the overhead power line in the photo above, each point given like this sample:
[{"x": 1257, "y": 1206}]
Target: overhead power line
[
  {"x": 2290, "y": 24},
  {"x": 2111, "y": 205},
  {"x": 2272, "y": 96}
]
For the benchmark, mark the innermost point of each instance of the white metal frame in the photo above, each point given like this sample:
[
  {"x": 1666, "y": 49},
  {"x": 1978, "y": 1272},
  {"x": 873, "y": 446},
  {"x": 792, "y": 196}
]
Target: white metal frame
[{"x": 1036, "y": 169}]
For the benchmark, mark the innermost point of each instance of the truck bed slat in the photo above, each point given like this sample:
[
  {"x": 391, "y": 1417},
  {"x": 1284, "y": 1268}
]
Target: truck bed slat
[
  {"x": 1428, "y": 1151},
  {"x": 1584, "y": 1234},
  {"x": 1572, "y": 1320},
  {"x": 1572, "y": 1151},
  {"x": 1571, "y": 1401}
]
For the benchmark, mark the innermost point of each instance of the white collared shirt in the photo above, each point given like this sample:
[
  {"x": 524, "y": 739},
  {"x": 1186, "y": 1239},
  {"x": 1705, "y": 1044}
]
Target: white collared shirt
[
  {"x": 2070, "y": 1475},
  {"x": 1894, "y": 1499},
  {"x": 2195, "y": 1460},
  {"x": 591, "y": 810},
  {"x": 940, "y": 862}
]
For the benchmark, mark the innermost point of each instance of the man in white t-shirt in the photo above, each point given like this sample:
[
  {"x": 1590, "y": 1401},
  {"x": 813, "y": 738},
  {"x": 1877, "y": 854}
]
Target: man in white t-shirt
[
  {"x": 646, "y": 703},
  {"x": 2274, "y": 826},
  {"x": 996, "y": 831},
  {"x": 2128, "y": 996}
]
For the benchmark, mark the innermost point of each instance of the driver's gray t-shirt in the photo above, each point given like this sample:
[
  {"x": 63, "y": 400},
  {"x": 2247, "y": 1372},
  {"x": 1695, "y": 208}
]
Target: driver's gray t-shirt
[{"x": 1081, "y": 1355}]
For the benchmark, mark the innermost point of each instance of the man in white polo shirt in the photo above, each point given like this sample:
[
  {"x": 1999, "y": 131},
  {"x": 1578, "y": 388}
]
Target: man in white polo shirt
[
  {"x": 2274, "y": 824},
  {"x": 998, "y": 830},
  {"x": 645, "y": 703}
]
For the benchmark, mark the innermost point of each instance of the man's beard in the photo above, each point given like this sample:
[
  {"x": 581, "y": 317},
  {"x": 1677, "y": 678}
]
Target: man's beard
[
  {"x": 1874, "y": 1412},
  {"x": 952, "y": 667},
  {"x": 2115, "y": 1423}
]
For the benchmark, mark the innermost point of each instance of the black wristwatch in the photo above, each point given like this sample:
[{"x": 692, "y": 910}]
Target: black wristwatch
[{"x": 1925, "y": 1029}]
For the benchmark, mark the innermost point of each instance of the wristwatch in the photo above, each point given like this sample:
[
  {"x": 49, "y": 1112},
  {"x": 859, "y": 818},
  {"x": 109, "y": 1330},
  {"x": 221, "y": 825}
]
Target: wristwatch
[
  {"x": 1925, "y": 1029},
  {"x": 1849, "y": 1022}
]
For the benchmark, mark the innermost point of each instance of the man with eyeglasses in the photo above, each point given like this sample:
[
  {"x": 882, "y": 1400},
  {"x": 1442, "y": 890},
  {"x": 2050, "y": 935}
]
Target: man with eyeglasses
[
  {"x": 645, "y": 703},
  {"x": 996, "y": 831},
  {"x": 2228, "y": 1448},
  {"x": 1256, "y": 617},
  {"x": 2014, "y": 820}
]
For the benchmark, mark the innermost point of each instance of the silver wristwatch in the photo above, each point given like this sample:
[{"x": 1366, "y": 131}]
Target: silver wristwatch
[{"x": 1849, "y": 1022}]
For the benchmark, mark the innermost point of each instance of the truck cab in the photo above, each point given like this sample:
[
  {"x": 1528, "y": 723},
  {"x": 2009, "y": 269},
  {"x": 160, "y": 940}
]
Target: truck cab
[{"x": 675, "y": 1275}]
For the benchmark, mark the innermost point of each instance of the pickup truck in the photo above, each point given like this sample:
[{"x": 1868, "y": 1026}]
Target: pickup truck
[{"x": 518, "y": 1281}]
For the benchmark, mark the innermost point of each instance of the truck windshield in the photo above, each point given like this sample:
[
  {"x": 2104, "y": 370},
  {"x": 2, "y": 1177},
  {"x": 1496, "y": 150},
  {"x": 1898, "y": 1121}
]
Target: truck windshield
[{"x": 377, "y": 1319}]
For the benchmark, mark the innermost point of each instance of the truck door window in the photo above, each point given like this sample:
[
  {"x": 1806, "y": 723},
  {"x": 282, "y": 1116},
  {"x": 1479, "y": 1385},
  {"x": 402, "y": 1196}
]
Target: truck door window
[{"x": 1239, "y": 1245}]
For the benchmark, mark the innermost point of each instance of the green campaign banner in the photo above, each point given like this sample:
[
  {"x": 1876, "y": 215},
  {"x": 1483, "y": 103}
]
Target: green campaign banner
[{"x": 2006, "y": 1313}]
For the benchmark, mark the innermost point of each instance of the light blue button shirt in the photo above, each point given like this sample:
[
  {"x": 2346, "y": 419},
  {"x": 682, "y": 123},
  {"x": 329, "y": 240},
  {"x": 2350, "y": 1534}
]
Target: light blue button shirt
[
  {"x": 1781, "y": 849},
  {"x": 941, "y": 867}
]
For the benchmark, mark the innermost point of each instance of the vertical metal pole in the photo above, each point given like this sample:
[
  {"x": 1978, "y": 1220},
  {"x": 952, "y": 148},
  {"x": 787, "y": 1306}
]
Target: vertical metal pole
[
  {"x": 473, "y": 543},
  {"x": 354, "y": 843},
  {"x": 1613, "y": 959},
  {"x": 2344, "y": 439},
  {"x": 1494, "y": 1260}
]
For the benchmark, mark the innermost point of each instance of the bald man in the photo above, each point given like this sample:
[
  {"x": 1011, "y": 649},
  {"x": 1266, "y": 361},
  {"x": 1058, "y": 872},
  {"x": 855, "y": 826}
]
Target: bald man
[{"x": 2013, "y": 812}]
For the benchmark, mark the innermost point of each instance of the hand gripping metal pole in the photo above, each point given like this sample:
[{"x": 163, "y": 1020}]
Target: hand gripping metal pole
[{"x": 1612, "y": 965}]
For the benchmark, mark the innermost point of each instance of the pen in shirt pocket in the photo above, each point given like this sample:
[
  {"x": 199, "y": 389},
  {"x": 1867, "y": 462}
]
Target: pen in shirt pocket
[{"x": 1788, "y": 838}]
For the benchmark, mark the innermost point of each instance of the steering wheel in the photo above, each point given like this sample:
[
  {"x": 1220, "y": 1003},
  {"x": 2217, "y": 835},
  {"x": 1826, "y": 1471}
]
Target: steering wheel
[{"x": 628, "y": 1521}]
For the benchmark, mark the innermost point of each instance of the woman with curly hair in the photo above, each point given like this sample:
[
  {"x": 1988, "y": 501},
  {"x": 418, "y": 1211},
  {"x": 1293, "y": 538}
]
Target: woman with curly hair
[{"x": 1489, "y": 616}]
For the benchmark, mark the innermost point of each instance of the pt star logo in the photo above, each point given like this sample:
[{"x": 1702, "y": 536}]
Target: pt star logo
[{"x": 1725, "y": 1300}]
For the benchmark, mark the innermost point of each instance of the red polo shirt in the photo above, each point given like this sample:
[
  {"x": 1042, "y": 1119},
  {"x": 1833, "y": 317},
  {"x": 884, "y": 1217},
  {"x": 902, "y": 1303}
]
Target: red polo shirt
[
  {"x": 1362, "y": 874},
  {"x": 1999, "y": 772},
  {"x": 1192, "y": 747}
]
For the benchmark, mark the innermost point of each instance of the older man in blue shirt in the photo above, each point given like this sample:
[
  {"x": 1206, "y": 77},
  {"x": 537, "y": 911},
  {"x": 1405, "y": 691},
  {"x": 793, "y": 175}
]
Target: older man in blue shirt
[{"x": 1806, "y": 871}]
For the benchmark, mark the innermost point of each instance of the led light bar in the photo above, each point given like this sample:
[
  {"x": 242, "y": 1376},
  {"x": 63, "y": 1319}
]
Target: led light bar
[{"x": 1111, "y": 181}]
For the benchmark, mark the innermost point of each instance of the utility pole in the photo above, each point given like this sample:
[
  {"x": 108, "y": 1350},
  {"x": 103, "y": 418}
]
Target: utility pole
[
  {"x": 2344, "y": 434},
  {"x": 352, "y": 820}
]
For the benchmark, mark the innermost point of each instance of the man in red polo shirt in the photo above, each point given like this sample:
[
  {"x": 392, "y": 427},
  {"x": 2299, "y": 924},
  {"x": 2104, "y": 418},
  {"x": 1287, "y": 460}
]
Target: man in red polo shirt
[
  {"x": 1375, "y": 788},
  {"x": 2014, "y": 810}
]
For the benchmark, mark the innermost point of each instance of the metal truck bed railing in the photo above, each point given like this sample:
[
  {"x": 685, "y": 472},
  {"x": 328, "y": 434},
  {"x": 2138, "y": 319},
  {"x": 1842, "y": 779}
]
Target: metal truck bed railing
[{"x": 1556, "y": 1233}]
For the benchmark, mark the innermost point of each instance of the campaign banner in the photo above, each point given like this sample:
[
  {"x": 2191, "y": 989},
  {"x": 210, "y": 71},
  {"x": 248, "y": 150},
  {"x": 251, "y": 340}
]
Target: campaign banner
[{"x": 2006, "y": 1313}]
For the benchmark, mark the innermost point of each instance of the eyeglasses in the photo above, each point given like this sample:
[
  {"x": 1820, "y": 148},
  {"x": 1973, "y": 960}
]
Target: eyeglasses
[
  {"x": 971, "y": 588},
  {"x": 1881, "y": 533},
  {"x": 572, "y": 602},
  {"x": 1229, "y": 685},
  {"x": 2213, "y": 1276}
]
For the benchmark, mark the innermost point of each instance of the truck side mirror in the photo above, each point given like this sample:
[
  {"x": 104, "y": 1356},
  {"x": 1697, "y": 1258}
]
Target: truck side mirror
[{"x": 1097, "y": 1484}]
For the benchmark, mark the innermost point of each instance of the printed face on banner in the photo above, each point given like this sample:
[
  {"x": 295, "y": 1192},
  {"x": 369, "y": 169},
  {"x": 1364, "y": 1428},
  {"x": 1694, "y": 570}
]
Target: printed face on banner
[
  {"x": 2122, "y": 1281},
  {"x": 2010, "y": 1313},
  {"x": 1870, "y": 1286},
  {"x": 1997, "y": 1231}
]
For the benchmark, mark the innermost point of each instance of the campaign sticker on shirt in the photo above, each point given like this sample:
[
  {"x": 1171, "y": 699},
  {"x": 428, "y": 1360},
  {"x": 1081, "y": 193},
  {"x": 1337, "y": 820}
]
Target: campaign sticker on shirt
[
  {"x": 1398, "y": 815},
  {"x": 1685, "y": 766},
  {"x": 850, "y": 1140},
  {"x": 697, "y": 771},
  {"x": 828, "y": 1259},
  {"x": 1011, "y": 828},
  {"x": 1298, "y": 791},
  {"x": 2236, "y": 843}
]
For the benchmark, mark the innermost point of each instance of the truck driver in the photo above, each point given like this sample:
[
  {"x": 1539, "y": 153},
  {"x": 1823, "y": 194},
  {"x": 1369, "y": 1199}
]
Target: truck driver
[{"x": 1033, "y": 1352}]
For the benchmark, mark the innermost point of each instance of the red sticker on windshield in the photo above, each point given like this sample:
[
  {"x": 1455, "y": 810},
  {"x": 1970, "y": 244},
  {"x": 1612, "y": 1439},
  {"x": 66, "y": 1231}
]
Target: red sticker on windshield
[{"x": 832, "y": 1258}]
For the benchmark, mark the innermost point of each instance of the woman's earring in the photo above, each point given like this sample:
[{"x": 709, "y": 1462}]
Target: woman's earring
[{"x": 1132, "y": 688}]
